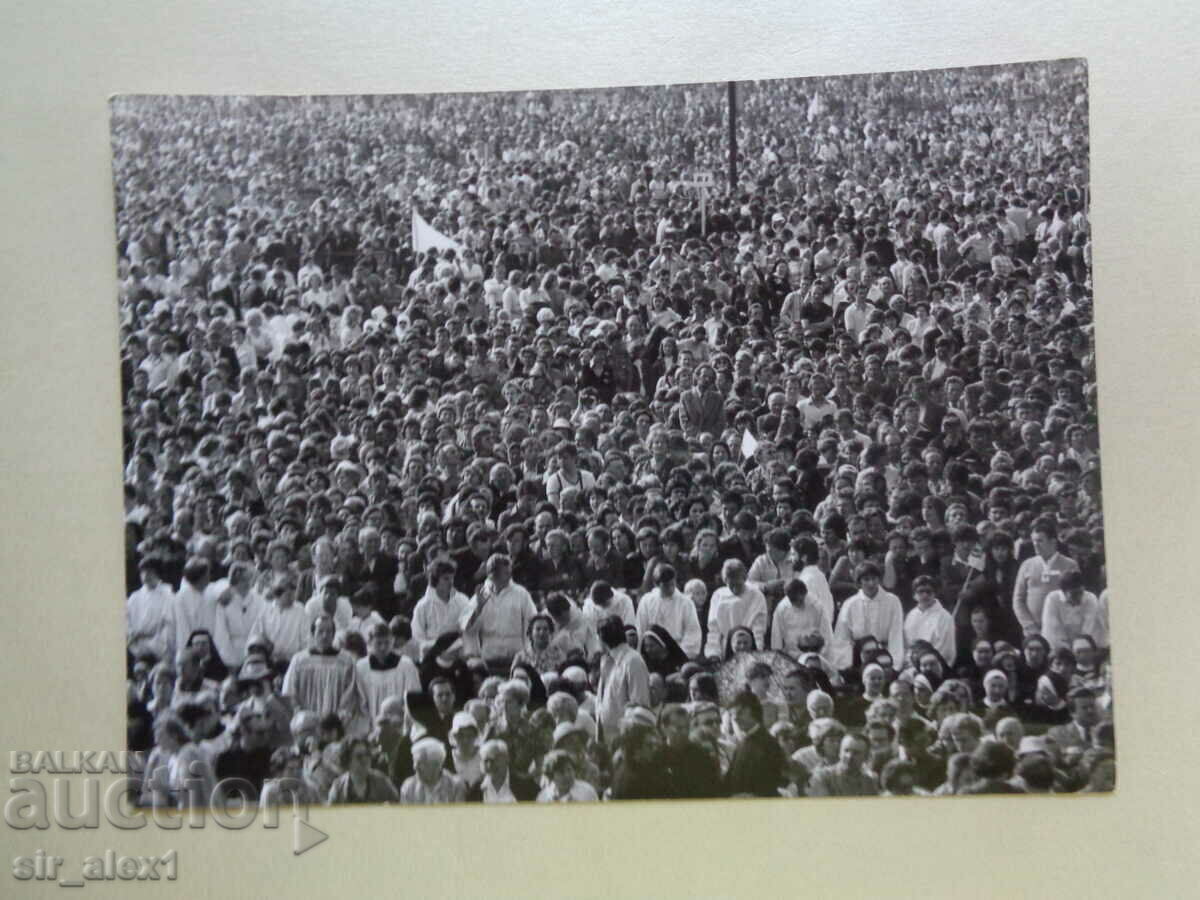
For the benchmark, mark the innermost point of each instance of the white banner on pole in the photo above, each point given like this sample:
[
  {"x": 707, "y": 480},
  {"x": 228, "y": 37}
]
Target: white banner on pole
[{"x": 425, "y": 237}]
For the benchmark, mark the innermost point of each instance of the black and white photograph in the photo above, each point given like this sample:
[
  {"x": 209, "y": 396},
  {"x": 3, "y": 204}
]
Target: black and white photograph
[{"x": 695, "y": 441}]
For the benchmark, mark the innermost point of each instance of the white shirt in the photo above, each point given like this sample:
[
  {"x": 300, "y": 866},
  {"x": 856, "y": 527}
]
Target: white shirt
[
  {"x": 728, "y": 611},
  {"x": 233, "y": 623},
  {"x": 376, "y": 685},
  {"x": 619, "y": 605},
  {"x": 934, "y": 625},
  {"x": 791, "y": 622},
  {"x": 556, "y": 482},
  {"x": 1063, "y": 621},
  {"x": 880, "y": 617},
  {"x": 193, "y": 610},
  {"x": 1036, "y": 578},
  {"x": 286, "y": 629},
  {"x": 149, "y": 624},
  {"x": 434, "y": 616},
  {"x": 677, "y": 614},
  {"x": 499, "y": 630},
  {"x": 764, "y": 570},
  {"x": 492, "y": 795},
  {"x": 814, "y": 413},
  {"x": 856, "y": 319}
]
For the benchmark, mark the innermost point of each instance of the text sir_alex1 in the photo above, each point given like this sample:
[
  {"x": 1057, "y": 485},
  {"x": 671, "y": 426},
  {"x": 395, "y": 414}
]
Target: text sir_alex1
[{"x": 107, "y": 866}]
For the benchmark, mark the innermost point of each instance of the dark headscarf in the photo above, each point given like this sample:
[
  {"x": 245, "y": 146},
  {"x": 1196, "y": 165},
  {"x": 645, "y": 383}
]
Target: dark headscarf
[
  {"x": 214, "y": 666},
  {"x": 675, "y": 657},
  {"x": 729, "y": 641}
]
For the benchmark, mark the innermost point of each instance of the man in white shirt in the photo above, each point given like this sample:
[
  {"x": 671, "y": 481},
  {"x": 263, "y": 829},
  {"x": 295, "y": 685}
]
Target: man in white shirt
[
  {"x": 238, "y": 608},
  {"x": 817, "y": 406},
  {"x": 1072, "y": 612},
  {"x": 1039, "y": 575},
  {"x": 195, "y": 606},
  {"x": 150, "y": 627},
  {"x": 442, "y": 607},
  {"x": 674, "y": 611},
  {"x": 737, "y": 605},
  {"x": 856, "y": 316},
  {"x": 283, "y": 622},
  {"x": 800, "y": 623},
  {"x": 604, "y": 601},
  {"x": 495, "y": 622},
  {"x": 624, "y": 679},
  {"x": 930, "y": 621},
  {"x": 872, "y": 612}
]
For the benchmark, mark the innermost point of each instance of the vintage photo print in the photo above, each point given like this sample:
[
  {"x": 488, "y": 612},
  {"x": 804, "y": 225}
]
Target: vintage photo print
[{"x": 690, "y": 441}]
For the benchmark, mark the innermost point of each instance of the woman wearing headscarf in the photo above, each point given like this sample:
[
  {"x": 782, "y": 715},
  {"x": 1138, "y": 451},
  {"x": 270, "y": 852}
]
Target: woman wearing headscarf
[
  {"x": 464, "y": 750},
  {"x": 1007, "y": 660},
  {"x": 740, "y": 640},
  {"x": 994, "y": 704},
  {"x": 212, "y": 666},
  {"x": 662, "y": 653},
  {"x": 932, "y": 665},
  {"x": 1049, "y": 705}
]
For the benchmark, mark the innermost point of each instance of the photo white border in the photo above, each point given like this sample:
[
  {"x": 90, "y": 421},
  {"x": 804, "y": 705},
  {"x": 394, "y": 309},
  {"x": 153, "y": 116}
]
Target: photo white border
[{"x": 60, "y": 493}]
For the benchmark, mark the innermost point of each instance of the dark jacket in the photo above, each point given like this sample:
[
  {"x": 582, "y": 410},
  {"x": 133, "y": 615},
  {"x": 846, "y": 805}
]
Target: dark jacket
[
  {"x": 691, "y": 772},
  {"x": 380, "y": 574},
  {"x": 757, "y": 767}
]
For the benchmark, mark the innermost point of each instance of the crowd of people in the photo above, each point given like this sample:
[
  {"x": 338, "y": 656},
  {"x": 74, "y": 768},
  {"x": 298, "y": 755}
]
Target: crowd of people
[{"x": 494, "y": 518}]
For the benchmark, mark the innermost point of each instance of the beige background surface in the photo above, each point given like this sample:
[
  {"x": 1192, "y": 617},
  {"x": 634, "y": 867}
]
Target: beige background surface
[{"x": 60, "y": 499}]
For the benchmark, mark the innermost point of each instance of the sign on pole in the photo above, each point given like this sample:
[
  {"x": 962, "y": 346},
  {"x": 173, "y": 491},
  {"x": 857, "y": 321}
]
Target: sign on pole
[{"x": 702, "y": 182}]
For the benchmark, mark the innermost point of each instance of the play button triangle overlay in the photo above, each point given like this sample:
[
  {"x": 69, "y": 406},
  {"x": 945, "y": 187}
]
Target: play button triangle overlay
[{"x": 304, "y": 836}]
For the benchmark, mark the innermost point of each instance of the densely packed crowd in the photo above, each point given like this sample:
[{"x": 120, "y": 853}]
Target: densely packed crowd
[{"x": 597, "y": 498}]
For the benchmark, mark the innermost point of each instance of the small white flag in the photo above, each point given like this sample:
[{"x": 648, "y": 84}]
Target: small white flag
[
  {"x": 425, "y": 237},
  {"x": 749, "y": 444}
]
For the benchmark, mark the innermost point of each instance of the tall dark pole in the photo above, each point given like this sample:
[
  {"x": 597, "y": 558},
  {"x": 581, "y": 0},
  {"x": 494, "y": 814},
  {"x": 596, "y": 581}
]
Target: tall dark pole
[{"x": 733, "y": 137}]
